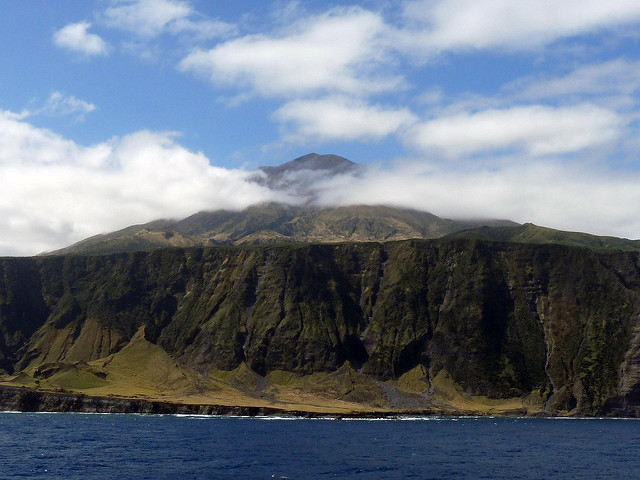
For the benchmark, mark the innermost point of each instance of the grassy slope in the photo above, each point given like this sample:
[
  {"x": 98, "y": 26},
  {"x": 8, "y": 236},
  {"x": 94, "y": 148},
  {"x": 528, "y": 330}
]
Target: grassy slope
[
  {"x": 275, "y": 223},
  {"x": 533, "y": 234},
  {"x": 143, "y": 370}
]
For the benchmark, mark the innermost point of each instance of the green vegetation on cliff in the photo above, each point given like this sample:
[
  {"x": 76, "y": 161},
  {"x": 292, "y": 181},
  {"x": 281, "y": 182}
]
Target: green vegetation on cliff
[
  {"x": 533, "y": 234},
  {"x": 461, "y": 325}
]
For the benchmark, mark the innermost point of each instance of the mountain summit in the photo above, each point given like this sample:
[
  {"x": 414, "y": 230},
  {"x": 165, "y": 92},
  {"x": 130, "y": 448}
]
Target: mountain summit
[
  {"x": 312, "y": 161},
  {"x": 300, "y": 175}
]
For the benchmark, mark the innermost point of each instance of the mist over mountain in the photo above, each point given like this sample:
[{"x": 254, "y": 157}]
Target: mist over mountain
[
  {"x": 278, "y": 223},
  {"x": 305, "y": 217},
  {"x": 274, "y": 222},
  {"x": 301, "y": 177},
  {"x": 279, "y": 176},
  {"x": 58, "y": 203}
]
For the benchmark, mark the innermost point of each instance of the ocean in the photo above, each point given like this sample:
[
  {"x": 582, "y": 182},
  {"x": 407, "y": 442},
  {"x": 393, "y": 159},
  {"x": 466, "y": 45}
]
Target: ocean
[{"x": 112, "y": 446}]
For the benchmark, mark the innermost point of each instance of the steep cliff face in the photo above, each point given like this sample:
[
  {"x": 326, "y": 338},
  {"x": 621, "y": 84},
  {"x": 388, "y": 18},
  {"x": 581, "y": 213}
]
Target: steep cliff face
[{"x": 557, "y": 324}]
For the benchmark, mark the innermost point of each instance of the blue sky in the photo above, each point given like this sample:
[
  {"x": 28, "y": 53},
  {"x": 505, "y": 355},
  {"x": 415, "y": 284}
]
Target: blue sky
[{"x": 117, "y": 112}]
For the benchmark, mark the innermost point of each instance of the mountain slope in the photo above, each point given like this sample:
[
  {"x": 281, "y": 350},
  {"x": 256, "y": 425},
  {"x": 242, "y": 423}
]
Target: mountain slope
[
  {"x": 277, "y": 223},
  {"x": 273, "y": 223},
  {"x": 280, "y": 223},
  {"x": 529, "y": 233}
]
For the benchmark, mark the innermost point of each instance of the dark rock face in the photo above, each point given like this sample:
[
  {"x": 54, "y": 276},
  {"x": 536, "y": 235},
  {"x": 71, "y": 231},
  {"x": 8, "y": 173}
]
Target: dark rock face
[
  {"x": 26, "y": 400},
  {"x": 503, "y": 320}
]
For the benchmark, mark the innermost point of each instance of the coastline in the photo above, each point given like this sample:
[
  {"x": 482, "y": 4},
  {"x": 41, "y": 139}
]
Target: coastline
[{"x": 24, "y": 399}]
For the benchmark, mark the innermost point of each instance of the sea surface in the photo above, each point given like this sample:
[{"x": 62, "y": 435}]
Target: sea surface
[{"x": 81, "y": 446}]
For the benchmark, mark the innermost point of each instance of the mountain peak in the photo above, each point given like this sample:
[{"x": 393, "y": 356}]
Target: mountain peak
[
  {"x": 313, "y": 161},
  {"x": 300, "y": 174}
]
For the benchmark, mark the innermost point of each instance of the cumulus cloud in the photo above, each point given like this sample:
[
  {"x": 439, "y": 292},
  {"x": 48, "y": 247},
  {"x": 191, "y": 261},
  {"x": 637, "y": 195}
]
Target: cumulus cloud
[
  {"x": 340, "y": 119},
  {"x": 76, "y": 37},
  {"x": 338, "y": 51},
  {"x": 331, "y": 71},
  {"x": 22, "y": 144},
  {"x": 447, "y": 25},
  {"x": 354, "y": 52},
  {"x": 535, "y": 130},
  {"x": 56, "y": 192},
  {"x": 595, "y": 200},
  {"x": 150, "y": 18}
]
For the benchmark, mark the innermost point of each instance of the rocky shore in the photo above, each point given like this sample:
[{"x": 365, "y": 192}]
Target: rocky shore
[{"x": 22, "y": 399}]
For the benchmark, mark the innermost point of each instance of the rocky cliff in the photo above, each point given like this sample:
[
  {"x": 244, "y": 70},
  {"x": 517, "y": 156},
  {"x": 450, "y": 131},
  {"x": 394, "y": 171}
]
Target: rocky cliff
[{"x": 438, "y": 322}]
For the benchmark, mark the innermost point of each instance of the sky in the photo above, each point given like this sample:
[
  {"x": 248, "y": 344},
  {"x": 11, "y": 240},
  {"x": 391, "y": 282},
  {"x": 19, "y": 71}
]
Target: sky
[{"x": 118, "y": 112}]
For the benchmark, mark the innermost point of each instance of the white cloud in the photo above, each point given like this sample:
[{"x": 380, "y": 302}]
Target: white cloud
[
  {"x": 59, "y": 104},
  {"x": 146, "y": 17},
  {"x": 150, "y": 18},
  {"x": 353, "y": 52},
  {"x": 328, "y": 69},
  {"x": 596, "y": 200},
  {"x": 341, "y": 119},
  {"x": 535, "y": 130},
  {"x": 444, "y": 25},
  {"x": 202, "y": 29},
  {"x": 56, "y": 192},
  {"x": 615, "y": 77},
  {"x": 338, "y": 51},
  {"x": 21, "y": 143},
  {"x": 76, "y": 37}
]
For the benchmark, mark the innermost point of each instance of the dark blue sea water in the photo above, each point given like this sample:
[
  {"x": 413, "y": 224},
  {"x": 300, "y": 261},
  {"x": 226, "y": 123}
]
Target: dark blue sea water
[{"x": 75, "y": 446}]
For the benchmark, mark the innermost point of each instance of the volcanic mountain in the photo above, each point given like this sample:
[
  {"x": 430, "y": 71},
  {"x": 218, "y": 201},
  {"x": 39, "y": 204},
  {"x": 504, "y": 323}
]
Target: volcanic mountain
[{"x": 281, "y": 223}]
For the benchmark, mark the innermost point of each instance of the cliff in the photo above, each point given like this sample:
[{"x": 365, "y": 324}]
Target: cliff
[{"x": 452, "y": 325}]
